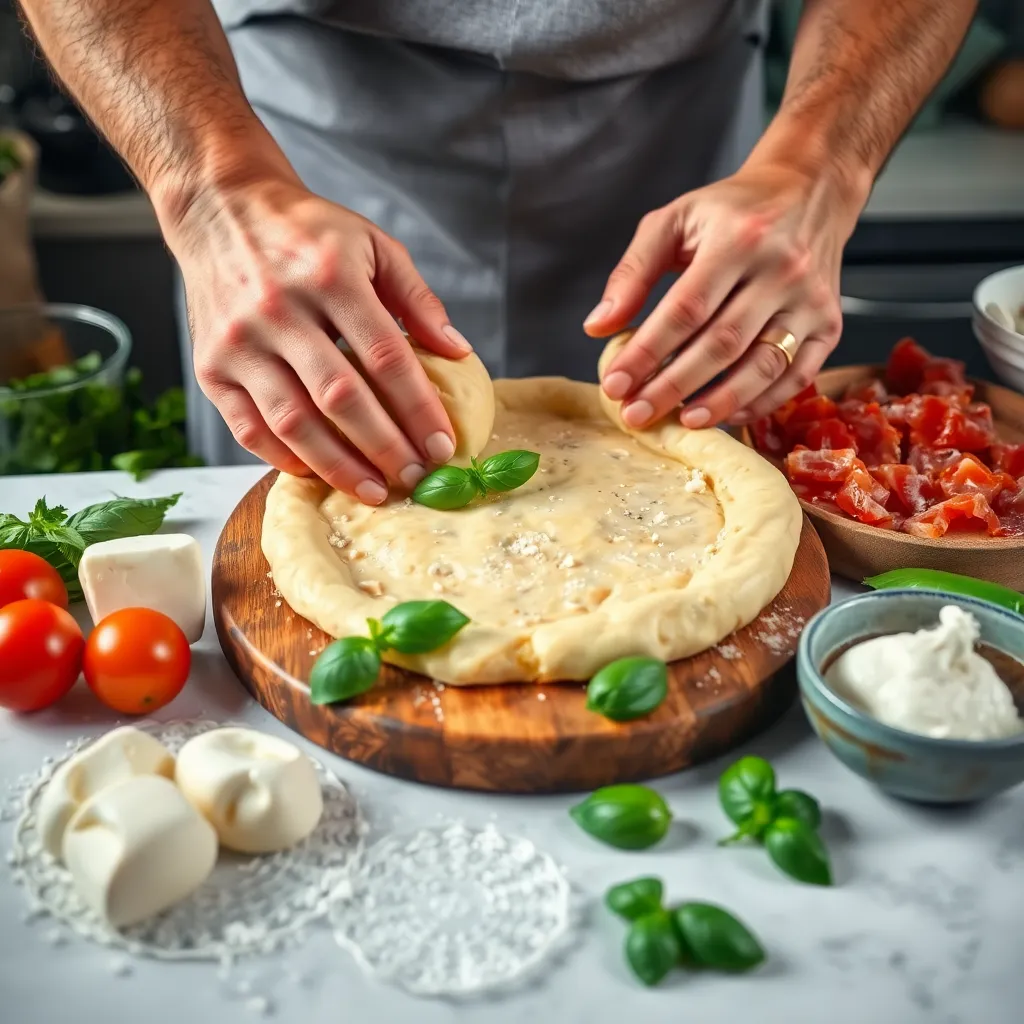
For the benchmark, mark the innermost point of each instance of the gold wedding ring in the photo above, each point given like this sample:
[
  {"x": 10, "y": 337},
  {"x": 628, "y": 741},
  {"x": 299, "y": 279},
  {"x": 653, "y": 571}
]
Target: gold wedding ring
[{"x": 785, "y": 341}]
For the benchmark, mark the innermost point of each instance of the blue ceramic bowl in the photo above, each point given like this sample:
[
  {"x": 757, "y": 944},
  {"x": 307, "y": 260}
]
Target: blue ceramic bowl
[{"x": 907, "y": 765}]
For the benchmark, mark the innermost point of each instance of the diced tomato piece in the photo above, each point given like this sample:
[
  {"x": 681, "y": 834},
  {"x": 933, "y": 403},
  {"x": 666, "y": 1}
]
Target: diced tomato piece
[
  {"x": 877, "y": 439},
  {"x": 829, "y": 433},
  {"x": 950, "y": 371},
  {"x": 904, "y": 371},
  {"x": 1008, "y": 457},
  {"x": 961, "y": 394},
  {"x": 863, "y": 497},
  {"x": 767, "y": 436},
  {"x": 932, "y": 461},
  {"x": 970, "y": 429},
  {"x": 910, "y": 491},
  {"x": 963, "y": 511},
  {"x": 971, "y": 476},
  {"x": 826, "y": 466},
  {"x": 872, "y": 390}
]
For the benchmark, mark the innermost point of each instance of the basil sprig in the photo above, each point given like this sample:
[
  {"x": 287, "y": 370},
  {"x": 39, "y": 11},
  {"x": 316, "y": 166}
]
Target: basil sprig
[
  {"x": 692, "y": 935},
  {"x": 350, "y": 666},
  {"x": 628, "y": 688},
  {"x": 627, "y": 816},
  {"x": 786, "y": 822},
  {"x": 450, "y": 487},
  {"x": 59, "y": 538}
]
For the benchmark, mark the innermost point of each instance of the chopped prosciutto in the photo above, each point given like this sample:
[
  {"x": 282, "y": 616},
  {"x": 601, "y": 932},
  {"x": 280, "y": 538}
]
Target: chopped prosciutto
[
  {"x": 960, "y": 393},
  {"x": 932, "y": 461},
  {"x": 964, "y": 511},
  {"x": 969, "y": 429},
  {"x": 829, "y": 433},
  {"x": 909, "y": 490},
  {"x": 948, "y": 371},
  {"x": 904, "y": 371},
  {"x": 872, "y": 390},
  {"x": 1008, "y": 457},
  {"x": 809, "y": 467},
  {"x": 877, "y": 439},
  {"x": 971, "y": 476},
  {"x": 768, "y": 437},
  {"x": 864, "y": 498}
]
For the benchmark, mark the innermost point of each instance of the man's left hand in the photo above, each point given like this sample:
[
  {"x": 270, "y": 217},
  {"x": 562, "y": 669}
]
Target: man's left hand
[{"x": 758, "y": 251}]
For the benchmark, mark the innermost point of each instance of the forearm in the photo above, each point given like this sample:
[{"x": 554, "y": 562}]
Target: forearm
[
  {"x": 159, "y": 80},
  {"x": 859, "y": 72}
]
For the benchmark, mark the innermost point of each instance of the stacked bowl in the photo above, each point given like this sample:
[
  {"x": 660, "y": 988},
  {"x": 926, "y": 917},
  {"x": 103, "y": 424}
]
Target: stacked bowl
[{"x": 998, "y": 323}]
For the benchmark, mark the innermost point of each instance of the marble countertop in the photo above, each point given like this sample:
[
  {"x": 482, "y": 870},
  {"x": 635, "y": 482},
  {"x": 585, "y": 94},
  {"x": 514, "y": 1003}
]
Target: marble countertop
[{"x": 922, "y": 927}]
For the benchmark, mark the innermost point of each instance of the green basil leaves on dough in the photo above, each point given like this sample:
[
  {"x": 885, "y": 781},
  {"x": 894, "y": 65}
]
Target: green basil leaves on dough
[
  {"x": 628, "y": 688},
  {"x": 633, "y": 900},
  {"x": 61, "y": 539},
  {"x": 652, "y": 947},
  {"x": 712, "y": 937},
  {"x": 785, "y": 822},
  {"x": 507, "y": 470},
  {"x": 417, "y": 627},
  {"x": 798, "y": 851},
  {"x": 627, "y": 817},
  {"x": 344, "y": 669},
  {"x": 350, "y": 666},
  {"x": 450, "y": 487},
  {"x": 446, "y": 488}
]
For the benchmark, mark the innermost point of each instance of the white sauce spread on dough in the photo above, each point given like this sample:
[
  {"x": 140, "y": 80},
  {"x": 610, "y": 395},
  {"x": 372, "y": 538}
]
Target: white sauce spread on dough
[
  {"x": 932, "y": 682},
  {"x": 602, "y": 516}
]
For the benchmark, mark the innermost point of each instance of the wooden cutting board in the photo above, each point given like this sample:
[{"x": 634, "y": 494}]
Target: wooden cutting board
[{"x": 528, "y": 738}]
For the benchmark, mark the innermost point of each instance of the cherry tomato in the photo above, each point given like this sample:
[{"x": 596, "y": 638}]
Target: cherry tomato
[
  {"x": 136, "y": 660},
  {"x": 25, "y": 575},
  {"x": 40, "y": 654}
]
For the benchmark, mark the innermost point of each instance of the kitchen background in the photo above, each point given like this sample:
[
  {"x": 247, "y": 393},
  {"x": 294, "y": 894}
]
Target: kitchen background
[{"x": 947, "y": 211}]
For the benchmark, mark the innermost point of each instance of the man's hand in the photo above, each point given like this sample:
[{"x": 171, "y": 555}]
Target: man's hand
[
  {"x": 763, "y": 249},
  {"x": 273, "y": 276},
  {"x": 760, "y": 249}
]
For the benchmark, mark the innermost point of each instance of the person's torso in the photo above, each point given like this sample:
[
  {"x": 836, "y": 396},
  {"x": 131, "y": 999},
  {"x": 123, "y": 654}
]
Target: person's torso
[{"x": 576, "y": 40}]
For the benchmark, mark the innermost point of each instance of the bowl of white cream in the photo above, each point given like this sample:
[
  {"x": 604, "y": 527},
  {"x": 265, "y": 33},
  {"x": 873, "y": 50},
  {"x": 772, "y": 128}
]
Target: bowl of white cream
[{"x": 920, "y": 692}]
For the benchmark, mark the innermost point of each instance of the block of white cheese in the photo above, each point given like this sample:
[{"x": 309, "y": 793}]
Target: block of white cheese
[
  {"x": 163, "y": 571},
  {"x": 259, "y": 792},
  {"x": 136, "y": 848},
  {"x": 121, "y": 754}
]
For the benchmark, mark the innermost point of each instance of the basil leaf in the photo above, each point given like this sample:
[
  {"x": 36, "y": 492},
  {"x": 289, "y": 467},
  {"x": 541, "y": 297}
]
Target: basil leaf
[
  {"x": 798, "y": 851},
  {"x": 122, "y": 517},
  {"x": 794, "y": 803},
  {"x": 445, "y": 489},
  {"x": 628, "y": 688},
  {"x": 652, "y": 947},
  {"x": 714, "y": 938},
  {"x": 508, "y": 470},
  {"x": 344, "y": 669},
  {"x": 633, "y": 900},
  {"x": 628, "y": 817},
  {"x": 746, "y": 789},
  {"x": 416, "y": 627}
]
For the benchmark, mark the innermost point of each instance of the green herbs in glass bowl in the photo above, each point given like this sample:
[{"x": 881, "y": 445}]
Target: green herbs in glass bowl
[{"x": 85, "y": 410}]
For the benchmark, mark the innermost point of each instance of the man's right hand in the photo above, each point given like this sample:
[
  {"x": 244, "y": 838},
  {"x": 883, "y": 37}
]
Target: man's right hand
[{"x": 273, "y": 277}]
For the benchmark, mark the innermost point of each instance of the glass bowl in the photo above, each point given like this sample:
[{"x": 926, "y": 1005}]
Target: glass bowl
[{"x": 62, "y": 375}]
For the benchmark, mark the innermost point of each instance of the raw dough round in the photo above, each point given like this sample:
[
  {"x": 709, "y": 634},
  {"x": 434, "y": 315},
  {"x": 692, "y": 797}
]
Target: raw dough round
[{"x": 657, "y": 542}]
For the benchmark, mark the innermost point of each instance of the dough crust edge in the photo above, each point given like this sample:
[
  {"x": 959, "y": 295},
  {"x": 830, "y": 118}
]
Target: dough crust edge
[{"x": 750, "y": 564}]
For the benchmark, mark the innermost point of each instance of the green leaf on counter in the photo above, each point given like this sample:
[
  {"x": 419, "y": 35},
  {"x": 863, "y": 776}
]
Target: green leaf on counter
[
  {"x": 652, "y": 947},
  {"x": 798, "y": 851},
  {"x": 714, "y": 938},
  {"x": 633, "y": 900},
  {"x": 627, "y": 816},
  {"x": 794, "y": 803}
]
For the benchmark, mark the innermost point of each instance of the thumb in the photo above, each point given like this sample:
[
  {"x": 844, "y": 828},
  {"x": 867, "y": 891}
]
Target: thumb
[{"x": 651, "y": 254}]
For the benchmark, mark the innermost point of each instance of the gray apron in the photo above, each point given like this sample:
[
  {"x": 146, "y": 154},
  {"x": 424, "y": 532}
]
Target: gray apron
[{"x": 511, "y": 145}]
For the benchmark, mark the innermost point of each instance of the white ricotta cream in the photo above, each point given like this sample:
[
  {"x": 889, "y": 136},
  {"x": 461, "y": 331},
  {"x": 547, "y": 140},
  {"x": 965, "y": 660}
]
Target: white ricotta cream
[{"x": 932, "y": 682}]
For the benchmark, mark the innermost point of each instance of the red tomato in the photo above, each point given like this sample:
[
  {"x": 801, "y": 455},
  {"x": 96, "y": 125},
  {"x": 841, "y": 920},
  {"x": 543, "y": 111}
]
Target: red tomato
[
  {"x": 25, "y": 575},
  {"x": 40, "y": 654},
  {"x": 136, "y": 660}
]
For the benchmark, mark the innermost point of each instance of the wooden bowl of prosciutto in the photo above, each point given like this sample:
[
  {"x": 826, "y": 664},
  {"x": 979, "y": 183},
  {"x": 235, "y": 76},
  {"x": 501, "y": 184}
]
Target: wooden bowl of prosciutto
[{"x": 907, "y": 465}]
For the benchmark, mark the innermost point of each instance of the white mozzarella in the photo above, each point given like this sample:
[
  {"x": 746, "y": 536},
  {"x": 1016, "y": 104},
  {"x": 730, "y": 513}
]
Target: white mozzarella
[
  {"x": 259, "y": 792},
  {"x": 136, "y": 848},
  {"x": 117, "y": 756},
  {"x": 162, "y": 571}
]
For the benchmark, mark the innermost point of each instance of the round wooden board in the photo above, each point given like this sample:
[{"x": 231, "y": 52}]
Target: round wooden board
[{"x": 528, "y": 738}]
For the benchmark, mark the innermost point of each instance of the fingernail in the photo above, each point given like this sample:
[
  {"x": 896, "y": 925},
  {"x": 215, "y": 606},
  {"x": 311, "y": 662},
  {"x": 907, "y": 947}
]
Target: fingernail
[
  {"x": 617, "y": 384},
  {"x": 456, "y": 338},
  {"x": 638, "y": 414},
  {"x": 739, "y": 419},
  {"x": 694, "y": 418},
  {"x": 599, "y": 312},
  {"x": 412, "y": 474},
  {"x": 369, "y": 492},
  {"x": 440, "y": 447}
]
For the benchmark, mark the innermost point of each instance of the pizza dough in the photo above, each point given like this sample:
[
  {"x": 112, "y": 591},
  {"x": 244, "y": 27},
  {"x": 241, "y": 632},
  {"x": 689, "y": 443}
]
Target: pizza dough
[{"x": 657, "y": 542}]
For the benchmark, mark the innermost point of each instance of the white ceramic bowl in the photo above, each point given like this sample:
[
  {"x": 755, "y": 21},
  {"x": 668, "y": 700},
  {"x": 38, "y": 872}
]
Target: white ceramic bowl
[{"x": 1004, "y": 348}]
